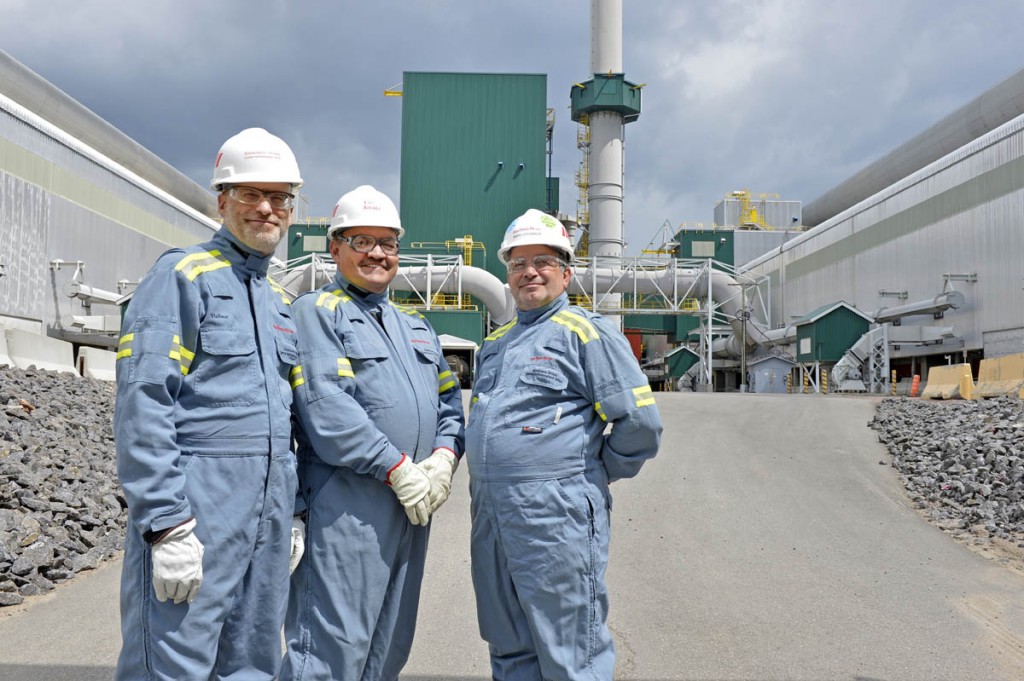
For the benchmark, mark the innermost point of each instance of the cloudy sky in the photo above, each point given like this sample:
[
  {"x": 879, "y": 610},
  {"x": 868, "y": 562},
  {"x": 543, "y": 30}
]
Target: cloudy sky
[{"x": 786, "y": 97}]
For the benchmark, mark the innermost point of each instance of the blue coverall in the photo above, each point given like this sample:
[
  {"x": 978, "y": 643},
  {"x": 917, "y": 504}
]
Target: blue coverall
[
  {"x": 547, "y": 385},
  {"x": 202, "y": 425},
  {"x": 367, "y": 393}
]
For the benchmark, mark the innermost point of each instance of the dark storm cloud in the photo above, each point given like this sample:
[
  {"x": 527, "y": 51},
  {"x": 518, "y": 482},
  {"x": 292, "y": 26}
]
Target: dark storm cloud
[{"x": 777, "y": 96}]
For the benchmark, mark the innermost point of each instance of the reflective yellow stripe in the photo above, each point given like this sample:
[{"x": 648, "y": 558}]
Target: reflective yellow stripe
[
  {"x": 501, "y": 331},
  {"x": 345, "y": 368},
  {"x": 280, "y": 291},
  {"x": 474, "y": 400},
  {"x": 296, "y": 376},
  {"x": 577, "y": 324},
  {"x": 199, "y": 263},
  {"x": 186, "y": 359},
  {"x": 181, "y": 354},
  {"x": 330, "y": 299},
  {"x": 445, "y": 382},
  {"x": 406, "y": 310},
  {"x": 124, "y": 346},
  {"x": 644, "y": 396},
  {"x": 600, "y": 411}
]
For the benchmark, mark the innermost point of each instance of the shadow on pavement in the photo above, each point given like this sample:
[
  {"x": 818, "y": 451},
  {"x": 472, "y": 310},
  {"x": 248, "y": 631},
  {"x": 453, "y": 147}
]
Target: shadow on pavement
[{"x": 33, "y": 672}]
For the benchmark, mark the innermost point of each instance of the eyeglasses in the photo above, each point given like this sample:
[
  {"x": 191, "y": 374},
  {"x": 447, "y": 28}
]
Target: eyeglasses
[
  {"x": 364, "y": 243},
  {"x": 539, "y": 263},
  {"x": 251, "y": 196}
]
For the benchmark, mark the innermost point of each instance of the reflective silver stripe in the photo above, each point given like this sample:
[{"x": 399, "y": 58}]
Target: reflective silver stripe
[
  {"x": 330, "y": 299},
  {"x": 194, "y": 264},
  {"x": 644, "y": 396},
  {"x": 577, "y": 324},
  {"x": 124, "y": 346},
  {"x": 183, "y": 355},
  {"x": 279, "y": 291},
  {"x": 501, "y": 331},
  {"x": 406, "y": 310}
]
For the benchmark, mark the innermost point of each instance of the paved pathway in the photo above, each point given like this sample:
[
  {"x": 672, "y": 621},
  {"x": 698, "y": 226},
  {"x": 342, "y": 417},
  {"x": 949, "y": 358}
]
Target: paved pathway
[{"x": 765, "y": 543}]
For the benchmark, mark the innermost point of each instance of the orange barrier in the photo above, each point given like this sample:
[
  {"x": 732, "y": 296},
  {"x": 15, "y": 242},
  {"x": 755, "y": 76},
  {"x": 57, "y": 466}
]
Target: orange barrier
[
  {"x": 949, "y": 382},
  {"x": 1001, "y": 376},
  {"x": 915, "y": 386}
]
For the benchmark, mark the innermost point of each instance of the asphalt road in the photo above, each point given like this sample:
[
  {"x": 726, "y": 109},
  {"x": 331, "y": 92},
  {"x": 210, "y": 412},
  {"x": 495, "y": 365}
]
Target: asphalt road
[{"x": 764, "y": 543}]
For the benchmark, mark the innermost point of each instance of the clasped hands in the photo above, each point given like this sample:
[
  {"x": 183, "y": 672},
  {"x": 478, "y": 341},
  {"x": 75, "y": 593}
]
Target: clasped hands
[{"x": 422, "y": 488}]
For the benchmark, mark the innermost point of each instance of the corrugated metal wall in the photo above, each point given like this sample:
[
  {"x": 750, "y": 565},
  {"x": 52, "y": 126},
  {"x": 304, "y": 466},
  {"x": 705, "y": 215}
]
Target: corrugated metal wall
[
  {"x": 456, "y": 130},
  {"x": 62, "y": 200},
  {"x": 776, "y": 214},
  {"x": 961, "y": 216}
]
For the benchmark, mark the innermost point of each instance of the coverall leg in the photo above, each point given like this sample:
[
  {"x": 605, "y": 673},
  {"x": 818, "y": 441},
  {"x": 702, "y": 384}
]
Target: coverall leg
[
  {"x": 243, "y": 505},
  {"x": 539, "y": 556},
  {"x": 352, "y": 609}
]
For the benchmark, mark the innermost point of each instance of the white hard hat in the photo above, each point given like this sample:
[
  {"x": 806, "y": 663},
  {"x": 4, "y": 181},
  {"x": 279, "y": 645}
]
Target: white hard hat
[
  {"x": 536, "y": 228},
  {"x": 254, "y": 155},
  {"x": 364, "y": 206}
]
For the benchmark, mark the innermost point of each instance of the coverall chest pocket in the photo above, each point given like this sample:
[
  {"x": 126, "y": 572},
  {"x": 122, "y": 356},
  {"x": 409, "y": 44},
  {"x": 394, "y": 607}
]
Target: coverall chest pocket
[
  {"x": 375, "y": 374},
  {"x": 287, "y": 357},
  {"x": 539, "y": 390},
  {"x": 228, "y": 371}
]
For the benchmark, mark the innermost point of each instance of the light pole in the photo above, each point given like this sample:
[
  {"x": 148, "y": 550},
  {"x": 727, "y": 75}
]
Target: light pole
[{"x": 744, "y": 315}]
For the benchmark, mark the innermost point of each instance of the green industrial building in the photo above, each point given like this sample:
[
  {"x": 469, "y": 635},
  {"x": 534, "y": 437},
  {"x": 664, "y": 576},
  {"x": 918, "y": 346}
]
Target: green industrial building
[{"x": 474, "y": 156}]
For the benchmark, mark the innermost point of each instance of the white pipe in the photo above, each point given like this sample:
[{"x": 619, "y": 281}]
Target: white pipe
[
  {"x": 604, "y": 195},
  {"x": 495, "y": 295},
  {"x": 606, "y": 36},
  {"x": 725, "y": 291},
  {"x": 940, "y": 303}
]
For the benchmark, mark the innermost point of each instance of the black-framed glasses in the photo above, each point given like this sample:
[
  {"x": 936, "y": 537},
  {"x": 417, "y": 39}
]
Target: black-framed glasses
[
  {"x": 539, "y": 262},
  {"x": 251, "y": 196},
  {"x": 364, "y": 243}
]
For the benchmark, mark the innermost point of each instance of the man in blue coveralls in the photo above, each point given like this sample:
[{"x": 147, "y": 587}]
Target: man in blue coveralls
[
  {"x": 202, "y": 424},
  {"x": 380, "y": 433},
  {"x": 548, "y": 385}
]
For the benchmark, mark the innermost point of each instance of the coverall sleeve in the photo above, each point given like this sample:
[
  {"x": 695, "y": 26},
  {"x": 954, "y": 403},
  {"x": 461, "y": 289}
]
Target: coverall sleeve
[
  {"x": 451, "y": 422},
  {"x": 159, "y": 336},
  {"x": 622, "y": 398},
  {"x": 337, "y": 426}
]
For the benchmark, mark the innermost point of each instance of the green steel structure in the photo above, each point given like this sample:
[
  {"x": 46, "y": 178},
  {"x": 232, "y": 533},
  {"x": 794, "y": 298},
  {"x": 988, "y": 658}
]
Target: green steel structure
[
  {"x": 466, "y": 324},
  {"x": 308, "y": 237},
  {"x": 473, "y": 158},
  {"x": 717, "y": 244},
  {"x": 825, "y": 334}
]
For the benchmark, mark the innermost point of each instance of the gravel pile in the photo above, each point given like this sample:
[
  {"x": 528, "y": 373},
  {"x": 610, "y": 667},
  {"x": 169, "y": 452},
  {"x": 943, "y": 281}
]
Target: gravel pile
[
  {"x": 962, "y": 463},
  {"x": 61, "y": 508}
]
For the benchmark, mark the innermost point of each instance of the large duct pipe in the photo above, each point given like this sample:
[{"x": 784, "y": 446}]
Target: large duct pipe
[
  {"x": 936, "y": 305},
  {"x": 31, "y": 91},
  {"x": 1001, "y": 104},
  {"x": 495, "y": 295},
  {"x": 725, "y": 291}
]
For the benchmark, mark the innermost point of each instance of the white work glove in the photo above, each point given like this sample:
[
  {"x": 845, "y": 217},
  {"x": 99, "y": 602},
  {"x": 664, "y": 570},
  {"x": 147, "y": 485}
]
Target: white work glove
[
  {"x": 298, "y": 543},
  {"x": 412, "y": 487},
  {"x": 178, "y": 564},
  {"x": 440, "y": 467}
]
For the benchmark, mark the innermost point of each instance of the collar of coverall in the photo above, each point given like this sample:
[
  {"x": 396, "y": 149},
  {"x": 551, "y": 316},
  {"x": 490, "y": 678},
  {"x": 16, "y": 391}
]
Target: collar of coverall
[
  {"x": 368, "y": 298},
  {"x": 240, "y": 254},
  {"x": 543, "y": 312}
]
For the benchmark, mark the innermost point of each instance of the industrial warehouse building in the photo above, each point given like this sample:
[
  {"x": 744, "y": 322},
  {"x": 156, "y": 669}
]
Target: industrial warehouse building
[{"x": 85, "y": 212}]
